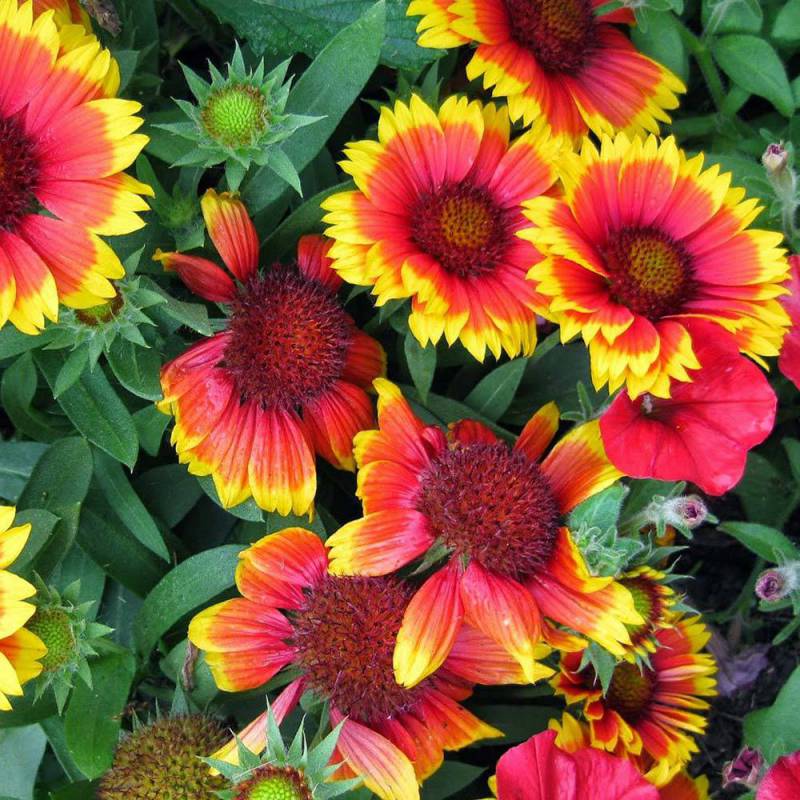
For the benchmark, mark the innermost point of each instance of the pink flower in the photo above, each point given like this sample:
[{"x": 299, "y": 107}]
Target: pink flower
[
  {"x": 782, "y": 781},
  {"x": 703, "y": 432},
  {"x": 789, "y": 361}
]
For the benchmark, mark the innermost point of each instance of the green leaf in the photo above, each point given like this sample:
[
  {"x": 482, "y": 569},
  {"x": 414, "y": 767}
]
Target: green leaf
[
  {"x": 761, "y": 484},
  {"x": 663, "y": 42},
  {"x": 169, "y": 491},
  {"x": 43, "y": 523},
  {"x": 306, "y": 219},
  {"x": 731, "y": 16},
  {"x": 136, "y": 368},
  {"x": 73, "y": 368},
  {"x": 351, "y": 56},
  {"x": 93, "y": 716},
  {"x": 517, "y": 722},
  {"x": 601, "y": 510},
  {"x": 17, "y": 390},
  {"x": 786, "y": 27},
  {"x": 284, "y": 27},
  {"x": 754, "y": 65},
  {"x": 188, "y": 586},
  {"x": 775, "y": 730},
  {"x": 762, "y": 540},
  {"x": 17, "y": 460},
  {"x": 150, "y": 426},
  {"x": 421, "y": 364},
  {"x": 247, "y": 510},
  {"x": 15, "y": 343},
  {"x": 449, "y": 779},
  {"x": 21, "y": 751},
  {"x": 60, "y": 478},
  {"x": 115, "y": 549},
  {"x": 192, "y": 315},
  {"x": 493, "y": 395},
  {"x": 127, "y": 505},
  {"x": 95, "y": 410}
]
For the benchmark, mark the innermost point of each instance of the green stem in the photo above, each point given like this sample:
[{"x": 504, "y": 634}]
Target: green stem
[{"x": 702, "y": 55}]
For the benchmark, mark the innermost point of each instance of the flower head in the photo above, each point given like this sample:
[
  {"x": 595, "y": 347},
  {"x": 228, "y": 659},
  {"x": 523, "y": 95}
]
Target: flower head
[
  {"x": 163, "y": 759},
  {"x": 628, "y": 268},
  {"x": 434, "y": 217},
  {"x": 539, "y": 770},
  {"x": 703, "y": 432},
  {"x": 782, "y": 780},
  {"x": 556, "y": 58},
  {"x": 64, "y": 141},
  {"x": 650, "y": 710},
  {"x": 21, "y": 650},
  {"x": 491, "y": 518},
  {"x": 338, "y": 634},
  {"x": 653, "y": 600},
  {"x": 241, "y": 120},
  {"x": 778, "y": 583},
  {"x": 285, "y": 380}
]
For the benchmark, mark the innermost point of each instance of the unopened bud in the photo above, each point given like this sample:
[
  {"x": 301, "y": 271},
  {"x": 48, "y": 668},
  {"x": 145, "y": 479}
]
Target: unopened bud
[
  {"x": 685, "y": 512},
  {"x": 778, "y": 583},
  {"x": 775, "y": 159},
  {"x": 745, "y": 769}
]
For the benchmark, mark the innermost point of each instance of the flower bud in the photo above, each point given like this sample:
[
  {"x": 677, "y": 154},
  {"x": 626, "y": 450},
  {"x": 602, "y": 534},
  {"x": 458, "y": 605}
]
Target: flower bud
[
  {"x": 776, "y": 584},
  {"x": 775, "y": 159},
  {"x": 685, "y": 512},
  {"x": 744, "y": 769}
]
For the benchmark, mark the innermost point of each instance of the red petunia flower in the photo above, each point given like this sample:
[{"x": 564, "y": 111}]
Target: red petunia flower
[
  {"x": 556, "y": 58},
  {"x": 492, "y": 519},
  {"x": 782, "y": 781},
  {"x": 538, "y": 770},
  {"x": 288, "y": 378},
  {"x": 789, "y": 360},
  {"x": 703, "y": 432},
  {"x": 337, "y": 636}
]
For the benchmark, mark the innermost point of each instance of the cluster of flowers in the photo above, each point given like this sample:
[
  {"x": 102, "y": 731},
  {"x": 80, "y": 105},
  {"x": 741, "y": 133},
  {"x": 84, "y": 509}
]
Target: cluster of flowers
[{"x": 463, "y": 569}]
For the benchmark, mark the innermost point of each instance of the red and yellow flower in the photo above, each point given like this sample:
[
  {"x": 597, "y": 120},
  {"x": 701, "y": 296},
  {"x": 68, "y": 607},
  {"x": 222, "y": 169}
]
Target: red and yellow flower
[
  {"x": 288, "y": 378},
  {"x": 684, "y": 787},
  {"x": 20, "y": 650},
  {"x": 653, "y": 600},
  {"x": 650, "y": 712},
  {"x": 66, "y": 12},
  {"x": 337, "y": 634},
  {"x": 434, "y": 218},
  {"x": 64, "y": 141},
  {"x": 643, "y": 241},
  {"x": 556, "y": 58},
  {"x": 494, "y": 516}
]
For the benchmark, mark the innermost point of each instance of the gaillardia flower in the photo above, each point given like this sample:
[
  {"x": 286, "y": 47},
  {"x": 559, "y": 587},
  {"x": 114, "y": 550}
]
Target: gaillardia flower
[
  {"x": 704, "y": 430},
  {"x": 64, "y": 141},
  {"x": 434, "y": 218},
  {"x": 555, "y": 58},
  {"x": 164, "y": 759},
  {"x": 650, "y": 711},
  {"x": 491, "y": 517},
  {"x": 286, "y": 379},
  {"x": 67, "y": 12},
  {"x": 339, "y": 634},
  {"x": 653, "y": 600},
  {"x": 539, "y": 770},
  {"x": 644, "y": 240},
  {"x": 684, "y": 787},
  {"x": 20, "y": 650}
]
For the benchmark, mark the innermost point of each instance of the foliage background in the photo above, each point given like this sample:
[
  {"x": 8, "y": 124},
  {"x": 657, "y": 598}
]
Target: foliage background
[{"x": 94, "y": 472}]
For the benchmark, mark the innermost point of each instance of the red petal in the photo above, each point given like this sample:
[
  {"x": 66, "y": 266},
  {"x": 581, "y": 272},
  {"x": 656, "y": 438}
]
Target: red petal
[
  {"x": 313, "y": 260},
  {"x": 201, "y": 276},
  {"x": 782, "y": 781},
  {"x": 232, "y": 232}
]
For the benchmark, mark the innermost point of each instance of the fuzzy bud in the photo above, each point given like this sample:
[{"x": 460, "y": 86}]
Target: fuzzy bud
[
  {"x": 685, "y": 512},
  {"x": 775, "y": 159},
  {"x": 776, "y": 584},
  {"x": 745, "y": 769}
]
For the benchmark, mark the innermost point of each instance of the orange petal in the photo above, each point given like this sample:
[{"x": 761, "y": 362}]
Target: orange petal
[
  {"x": 538, "y": 432},
  {"x": 430, "y": 626},
  {"x": 232, "y": 232},
  {"x": 365, "y": 361},
  {"x": 201, "y": 276},
  {"x": 314, "y": 263},
  {"x": 505, "y": 611},
  {"x": 577, "y": 467},
  {"x": 451, "y": 723},
  {"x": 277, "y": 568},
  {"x": 379, "y": 543},
  {"x": 385, "y": 769}
]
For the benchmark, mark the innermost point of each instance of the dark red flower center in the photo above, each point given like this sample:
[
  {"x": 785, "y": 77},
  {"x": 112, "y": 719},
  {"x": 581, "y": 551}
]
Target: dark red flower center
[
  {"x": 345, "y": 636},
  {"x": 289, "y": 339},
  {"x": 630, "y": 691},
  {"x": 560, "y": 33},
  {"x": 649, "y": 605},
  {"x": 462, "y": 227},
  {"x": 648, "y": 272},
  {"x": 493, "y": 504},
  {"x": 19, "y": 173}
]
